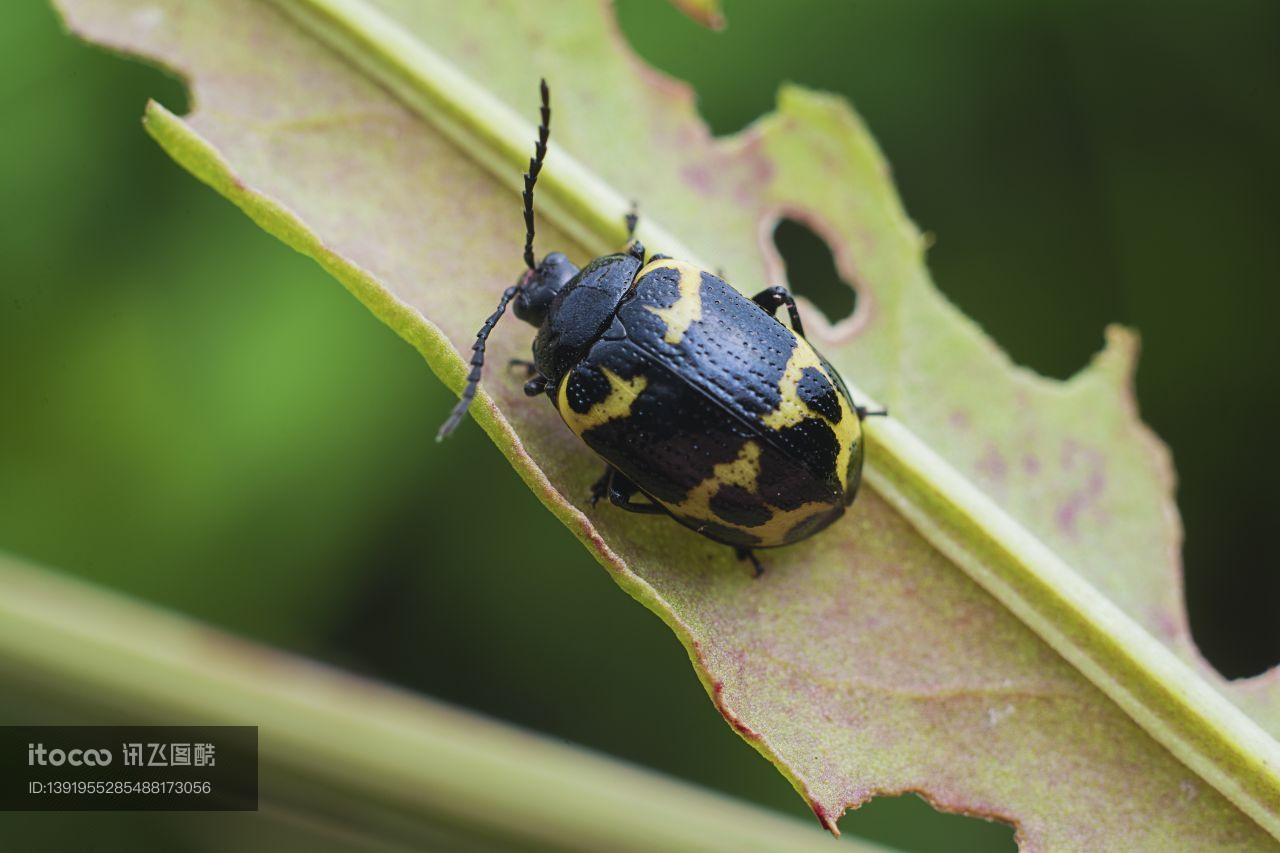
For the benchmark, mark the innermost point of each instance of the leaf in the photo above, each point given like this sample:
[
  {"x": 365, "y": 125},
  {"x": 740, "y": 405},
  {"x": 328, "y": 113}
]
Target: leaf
[{"x": 863, "y": 662}]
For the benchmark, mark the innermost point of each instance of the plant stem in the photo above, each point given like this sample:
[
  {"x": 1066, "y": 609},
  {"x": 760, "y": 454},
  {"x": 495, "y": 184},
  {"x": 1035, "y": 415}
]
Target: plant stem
[{"x": 341, "y": 747}]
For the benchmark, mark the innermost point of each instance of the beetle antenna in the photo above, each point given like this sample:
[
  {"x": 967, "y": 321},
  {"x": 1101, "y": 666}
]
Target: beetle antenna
[
  {"x": 477, "y": 365},
  {"x": 482, "y": 337},
  {"x": 531, "y": 177}
]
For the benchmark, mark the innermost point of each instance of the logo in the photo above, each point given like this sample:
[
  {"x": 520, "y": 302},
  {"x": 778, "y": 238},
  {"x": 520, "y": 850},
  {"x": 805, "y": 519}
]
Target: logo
[{"x": 37, "y": 755}]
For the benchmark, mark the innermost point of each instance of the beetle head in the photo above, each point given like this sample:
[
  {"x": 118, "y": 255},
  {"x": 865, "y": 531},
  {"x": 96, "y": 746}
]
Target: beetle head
[{"x": 539, "y": 286}]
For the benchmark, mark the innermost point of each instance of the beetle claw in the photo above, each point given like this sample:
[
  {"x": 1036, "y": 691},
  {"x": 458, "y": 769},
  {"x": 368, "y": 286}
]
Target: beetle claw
[
  {"x": 750, "y": 556},
  {"x": 600, "y": 487}
]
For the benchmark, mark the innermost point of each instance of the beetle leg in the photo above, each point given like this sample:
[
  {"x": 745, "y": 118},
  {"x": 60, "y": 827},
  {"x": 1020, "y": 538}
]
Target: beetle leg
[
  {"x": 620, "y": 491},
  {"x": 600, "y": 487},
  {"x": 537, "y": 382},
  {"x": 773, "y": 298},
  {"x": 632, "y": 219},
  {"x": 525, "y": 365},
  {"x": 634, "y": 247},
  {"x": 864, "y": 412},
  {"x": 750, "y": 556}
]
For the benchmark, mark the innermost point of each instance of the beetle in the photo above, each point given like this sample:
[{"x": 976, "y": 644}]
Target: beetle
[{"x": 703, "y": 405}]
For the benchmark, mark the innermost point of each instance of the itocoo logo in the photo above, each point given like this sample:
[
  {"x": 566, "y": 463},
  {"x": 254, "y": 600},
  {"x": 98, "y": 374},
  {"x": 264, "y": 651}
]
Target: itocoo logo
[{"x": 38, "y": 755}]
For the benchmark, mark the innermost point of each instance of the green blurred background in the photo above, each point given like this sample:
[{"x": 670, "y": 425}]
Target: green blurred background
[{"x": 193, "y": 414}]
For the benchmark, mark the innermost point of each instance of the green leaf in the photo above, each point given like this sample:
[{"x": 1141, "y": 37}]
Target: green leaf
[{"x": 1034, "y": 685}]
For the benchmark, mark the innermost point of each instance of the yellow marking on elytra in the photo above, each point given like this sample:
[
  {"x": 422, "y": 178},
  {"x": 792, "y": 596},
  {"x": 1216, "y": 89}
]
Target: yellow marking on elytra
[
  {"x": 687, "y": 309},
  {"x": 744, "y": 471},
  {"x": 622, "y": 395},
  {"x": 792, "y": 410},
  {"x": 774, "y": 531}
]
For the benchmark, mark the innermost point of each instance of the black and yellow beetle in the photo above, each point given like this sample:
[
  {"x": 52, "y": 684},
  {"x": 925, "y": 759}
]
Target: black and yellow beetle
[{"x": 699, "y": 400}]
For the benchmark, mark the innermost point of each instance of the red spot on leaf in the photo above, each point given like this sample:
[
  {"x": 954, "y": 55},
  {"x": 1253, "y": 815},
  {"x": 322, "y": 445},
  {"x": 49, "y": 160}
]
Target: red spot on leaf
[
  {"x": 820, "y": 812},
  {"x": 717, "y": 695},
  {"x": 992, "y": 465},
  {"x": 698, "y": 177},
  {"x": 760, "y": 166},
  {"x": 1085, "y": 496},
  {"x": 742, "y": 728}
]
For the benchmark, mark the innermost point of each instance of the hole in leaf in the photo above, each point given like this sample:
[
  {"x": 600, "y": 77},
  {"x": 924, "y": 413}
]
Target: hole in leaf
[
  {"x": 910, "y": 823},
  {"x": 811, "y": 270}
]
